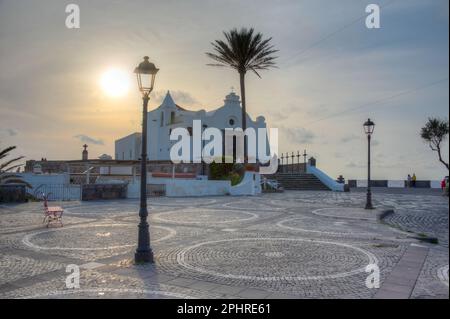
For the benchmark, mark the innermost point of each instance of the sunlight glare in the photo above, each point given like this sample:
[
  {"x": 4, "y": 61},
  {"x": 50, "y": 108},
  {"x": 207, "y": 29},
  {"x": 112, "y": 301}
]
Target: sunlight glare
[{"x": 115, "y": 82}]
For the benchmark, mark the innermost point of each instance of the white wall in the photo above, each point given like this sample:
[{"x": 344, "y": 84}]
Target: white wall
[
  {"x": 128, "y": 147},
  {"x": 38, "y": 179},
  {"x": 197, "y": 188},
  {"x": 56, "y": 184},
  {"x": 250, "y": 185},
  {"x": 435, "y": 184},
  {"x": 396, "y": 184}
]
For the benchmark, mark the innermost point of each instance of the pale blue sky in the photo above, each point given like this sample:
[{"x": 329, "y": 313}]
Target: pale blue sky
[{"x": 329, "y": 63}]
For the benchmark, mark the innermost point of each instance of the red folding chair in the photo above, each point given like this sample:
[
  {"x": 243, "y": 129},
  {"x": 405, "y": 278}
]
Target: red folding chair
[{"x": 52, "y": 214}]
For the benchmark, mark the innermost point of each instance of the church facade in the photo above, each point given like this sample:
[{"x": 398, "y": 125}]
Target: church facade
[{"x": 170, "y": 115}]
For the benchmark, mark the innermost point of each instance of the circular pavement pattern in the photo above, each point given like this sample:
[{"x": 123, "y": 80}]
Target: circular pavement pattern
[
  {"x": 102, "y": 209},
  {"x": 204, "y": 216},
  {"x": 95, "y": 237},
  {"x": 347, "y": 213},
  {"x": 312, "y": 225},
  {"x": 442, "y": 273},
  {"x": 183, "y": 202},
  {"x": 114, "y": 293},
  {"x": 275, "y": 259}
]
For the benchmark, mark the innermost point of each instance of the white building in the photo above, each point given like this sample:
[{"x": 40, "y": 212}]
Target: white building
[
  {"x": 169, "y": 115},
  {"x": 128, "y": 147}
]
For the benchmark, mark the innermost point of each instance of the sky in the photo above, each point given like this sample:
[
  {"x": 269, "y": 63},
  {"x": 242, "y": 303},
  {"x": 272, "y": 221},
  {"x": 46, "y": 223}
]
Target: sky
[{"x": 332, "y": 74}]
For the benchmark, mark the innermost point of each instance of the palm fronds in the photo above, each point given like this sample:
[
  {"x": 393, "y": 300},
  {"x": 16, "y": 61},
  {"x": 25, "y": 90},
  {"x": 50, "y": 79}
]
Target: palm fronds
[
  {"x": 6, "y": 177},
  {"x": 243, "y": 50}
]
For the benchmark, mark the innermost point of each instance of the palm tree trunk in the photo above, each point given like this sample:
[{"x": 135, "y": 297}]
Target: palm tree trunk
[{"x": 244, "y": 112}]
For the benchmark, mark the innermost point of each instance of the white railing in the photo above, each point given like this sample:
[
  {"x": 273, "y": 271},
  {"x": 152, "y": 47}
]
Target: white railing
[
  {"x": 325, "y": 179},
  {"x": 271, "y": 183}
]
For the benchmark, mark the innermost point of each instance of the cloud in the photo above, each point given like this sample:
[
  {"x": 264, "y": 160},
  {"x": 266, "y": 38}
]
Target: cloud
[
  {"x": 318, "y": 110},
  {"x": 87, "y": 139},
  {"x": 299, "y": 135},
  {"x": 349, "y": 138},
  {"x": 9, "y": 132},
  {"x": 354, "y": 165},
  {"x": 279, "y": 117},
  {"x": 179, "y": 97}
]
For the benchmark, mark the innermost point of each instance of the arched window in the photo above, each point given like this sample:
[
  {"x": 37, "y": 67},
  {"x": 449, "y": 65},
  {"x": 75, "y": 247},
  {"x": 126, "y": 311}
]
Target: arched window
[
  {"x": 162, "y": 119},
  {"x": 172, "y": 117}
]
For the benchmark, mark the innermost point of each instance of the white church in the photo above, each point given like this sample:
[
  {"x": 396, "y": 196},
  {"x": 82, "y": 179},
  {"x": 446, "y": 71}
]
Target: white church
[{"x": 169, "y": 115}]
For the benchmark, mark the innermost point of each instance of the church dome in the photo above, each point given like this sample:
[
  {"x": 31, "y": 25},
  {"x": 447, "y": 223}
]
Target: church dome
[{"x": 260, "y": 119}]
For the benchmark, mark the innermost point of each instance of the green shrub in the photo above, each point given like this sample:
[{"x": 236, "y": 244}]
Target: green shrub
[
  {"x": 233, "y": 172},
  {"x": 235, "y": 178},
  {"x": 218, "y": 171}
]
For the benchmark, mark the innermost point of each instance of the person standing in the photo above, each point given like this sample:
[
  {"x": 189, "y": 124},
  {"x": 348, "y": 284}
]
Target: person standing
[
  {"x": 443, "y": 185},
  {"x": 414, "y": 179},
  {"x": 408, "y": 183}
]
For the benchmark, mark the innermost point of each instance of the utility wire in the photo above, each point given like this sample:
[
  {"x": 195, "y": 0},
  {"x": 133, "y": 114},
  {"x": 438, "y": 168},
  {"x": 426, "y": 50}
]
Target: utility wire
[
  {"x": 323, "y": 39},
  {"x": 387, "y": 98}
]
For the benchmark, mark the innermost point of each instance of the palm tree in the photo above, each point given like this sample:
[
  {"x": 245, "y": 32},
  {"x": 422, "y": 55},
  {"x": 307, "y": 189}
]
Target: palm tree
[
  {"x": 6, "y": 177},
  {"x": 244, "y": 50}
]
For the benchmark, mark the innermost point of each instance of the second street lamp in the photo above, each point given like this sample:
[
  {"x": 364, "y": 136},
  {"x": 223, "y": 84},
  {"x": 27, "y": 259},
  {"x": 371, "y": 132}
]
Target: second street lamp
[
  {"x": 145, "y": 73},
  {"x": 369, "y": 126}
]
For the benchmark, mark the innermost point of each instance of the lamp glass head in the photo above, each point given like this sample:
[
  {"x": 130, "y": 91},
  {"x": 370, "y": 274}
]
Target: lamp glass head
[
  {"x": 145, "y": 74},
  {"x": 369, "y": 126}
]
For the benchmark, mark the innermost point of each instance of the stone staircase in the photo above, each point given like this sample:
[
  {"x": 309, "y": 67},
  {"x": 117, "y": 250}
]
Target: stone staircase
[{"x": 298, "y": 181}]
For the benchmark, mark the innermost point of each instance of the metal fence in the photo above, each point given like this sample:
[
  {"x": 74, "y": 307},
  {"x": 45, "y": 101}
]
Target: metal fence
[
  {"x": 292, "y": 162},
  {"x": 57, "y": 191}
]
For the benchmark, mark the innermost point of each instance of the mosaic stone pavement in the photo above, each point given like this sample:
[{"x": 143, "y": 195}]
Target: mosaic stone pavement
[{"x": 287, "y": 245}]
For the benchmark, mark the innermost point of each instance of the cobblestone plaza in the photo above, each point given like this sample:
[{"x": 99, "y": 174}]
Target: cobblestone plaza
[{"x": 286, "y": 245}]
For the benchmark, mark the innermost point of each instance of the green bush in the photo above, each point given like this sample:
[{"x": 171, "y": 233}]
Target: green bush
[
  {"x": 226, "y": 171},
  {"x": 218, "y": 171},
  {"x": 235, "y": 178}
]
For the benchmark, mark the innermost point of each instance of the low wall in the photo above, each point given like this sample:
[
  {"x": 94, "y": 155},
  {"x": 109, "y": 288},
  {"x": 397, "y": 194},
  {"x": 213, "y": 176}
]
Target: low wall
[
  {"x": 103, "y": 191},
  {"x": 250, "y": 185},
  {"x": 153, "y": 190},
  {"x": 185, "y": 188},
  {"x": 55, "y": 186},
  {"x": 353, "y": 183},
  {"x": 44, "y": 179},
  {"x": 12, "y": 193}
]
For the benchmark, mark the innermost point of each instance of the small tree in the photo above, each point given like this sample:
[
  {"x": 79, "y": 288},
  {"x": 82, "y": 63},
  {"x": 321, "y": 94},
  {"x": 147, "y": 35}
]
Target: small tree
[{"x": 434, "y": 133}]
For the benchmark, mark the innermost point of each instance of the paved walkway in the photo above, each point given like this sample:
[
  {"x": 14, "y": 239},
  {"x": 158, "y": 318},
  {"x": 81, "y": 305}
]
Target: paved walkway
[{"x": 289, "y": 245}]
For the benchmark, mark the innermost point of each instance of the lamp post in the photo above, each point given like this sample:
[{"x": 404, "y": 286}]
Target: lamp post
[
  {"x": 369, "y": 126},
  {"x": 145, "y": 74}
]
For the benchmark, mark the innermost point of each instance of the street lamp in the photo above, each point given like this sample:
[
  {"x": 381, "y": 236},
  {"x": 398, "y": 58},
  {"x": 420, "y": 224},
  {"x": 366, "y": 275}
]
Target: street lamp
[
  {"x": 369, "y": 126},
  {"x": 145, "y": 73}
]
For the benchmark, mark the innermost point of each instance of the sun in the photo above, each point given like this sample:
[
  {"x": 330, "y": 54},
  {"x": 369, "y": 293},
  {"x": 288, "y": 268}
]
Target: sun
[{"x": 115, "y": 82}]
